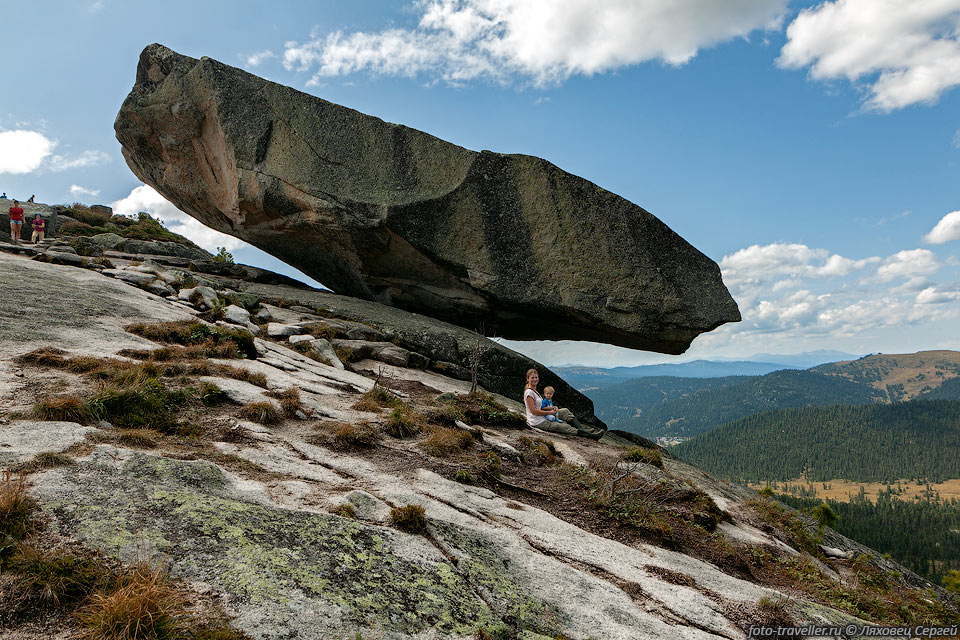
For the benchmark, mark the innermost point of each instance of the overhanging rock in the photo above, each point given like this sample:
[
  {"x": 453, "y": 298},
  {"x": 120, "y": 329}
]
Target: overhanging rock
[{"x": 387, "y": 213}]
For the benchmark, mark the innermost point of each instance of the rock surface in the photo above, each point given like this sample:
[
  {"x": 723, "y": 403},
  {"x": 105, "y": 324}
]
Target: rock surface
[{"x": 387, "y": 213}]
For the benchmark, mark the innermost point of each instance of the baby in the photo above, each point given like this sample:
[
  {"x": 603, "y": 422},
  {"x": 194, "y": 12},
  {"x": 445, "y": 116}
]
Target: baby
[{"x": 547, "y": 403}]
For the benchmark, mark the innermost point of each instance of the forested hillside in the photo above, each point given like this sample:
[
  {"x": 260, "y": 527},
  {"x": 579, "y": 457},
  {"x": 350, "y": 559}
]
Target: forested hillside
[
  {"x": 617, "y": 404},
  {"x": 868, "y": 443},
  {"x": 718, "y": 400},
  {"x": 898, "y": 377},
  {"x": 933, "y": 546}
]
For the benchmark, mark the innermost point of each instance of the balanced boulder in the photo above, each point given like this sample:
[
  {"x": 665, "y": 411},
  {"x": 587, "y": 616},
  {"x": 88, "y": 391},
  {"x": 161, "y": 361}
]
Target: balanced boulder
[{"x": 509, "y": 243}]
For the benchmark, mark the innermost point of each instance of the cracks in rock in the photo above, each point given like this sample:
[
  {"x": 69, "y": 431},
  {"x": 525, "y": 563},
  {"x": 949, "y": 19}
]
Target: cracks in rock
[{"x": 632, "y": 589}]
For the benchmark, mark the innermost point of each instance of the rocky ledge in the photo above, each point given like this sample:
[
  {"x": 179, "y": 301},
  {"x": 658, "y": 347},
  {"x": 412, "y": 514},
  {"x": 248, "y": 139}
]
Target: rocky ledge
[{"x": 507, "y": 244}]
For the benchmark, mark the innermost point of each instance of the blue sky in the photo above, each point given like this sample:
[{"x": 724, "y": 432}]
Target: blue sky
[{"x": 812, "y": 149}]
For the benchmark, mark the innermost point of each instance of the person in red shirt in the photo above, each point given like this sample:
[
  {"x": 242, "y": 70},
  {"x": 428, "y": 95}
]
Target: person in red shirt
[
  {"x": 39, "y": 226},
  {"x": 16, "y": 222}
]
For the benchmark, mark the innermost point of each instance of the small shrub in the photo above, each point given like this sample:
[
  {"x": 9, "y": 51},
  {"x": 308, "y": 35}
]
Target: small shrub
[
  {"x": 951, "y": 581},
  {"x": 411, "y": 518},
  {"x": 344, "y": 510},
  {"x": 144, "y": 605},
  {"x": 482, "y": 409},
  {"x": 443, "y": 441},
  {"x": 464, "y": 477},
  {"x": 404, "y": 422},
  {"x": 70, "y": 408},
  {"x": 766, "y": 492},
  {"x": 263, "y": 412},
  {"x": 361, "y": 435},
  {"x": 211, "y": 395},
  {"x": 824, "y": 515},
  {"x": 223, "y": 255},
  {"x": 647, "y": 456},
  {"x": 490, "y": 466}
]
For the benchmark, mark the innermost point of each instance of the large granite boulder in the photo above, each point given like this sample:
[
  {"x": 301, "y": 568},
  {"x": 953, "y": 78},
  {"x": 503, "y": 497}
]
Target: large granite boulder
[{"x": 388, "y": 213}]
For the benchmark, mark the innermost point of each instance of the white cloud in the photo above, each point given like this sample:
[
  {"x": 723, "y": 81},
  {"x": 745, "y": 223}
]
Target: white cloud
[
  {"x": 23, "y": 151},
  {"x": 939, "y": 295},
  {"x": 256, "y": 59},
  {"x": 946, "y": 230},
  {"x": 907, "y": 264},
  {"x": 907, "y": 51},
  {"x": 85, "y": 159},
  {"x": 543, "y": 40},
  {"x": 145, "y": 198},
  {"x": 956, "y": 139},
  {"x": 768, "y": 262},
  {"x": 96, "y": 6},
  {"x": 76, "y": 191}
]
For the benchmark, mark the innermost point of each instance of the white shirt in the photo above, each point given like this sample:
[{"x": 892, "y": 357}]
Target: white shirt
[{"x": 532, "y": 419}]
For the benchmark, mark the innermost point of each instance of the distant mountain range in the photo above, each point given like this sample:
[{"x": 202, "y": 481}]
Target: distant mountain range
[
  {"x": 671, "y": 406},
  {"x": 582, "y": 377}
]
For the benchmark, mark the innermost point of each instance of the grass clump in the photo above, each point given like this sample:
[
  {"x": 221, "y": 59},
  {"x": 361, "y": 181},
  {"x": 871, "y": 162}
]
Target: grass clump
[
  {"x": 481, "y": 408},
  {"x": 358, "y": 436},
  {"x": 411, "y": 518},
  {"x": 443, "y": 442},
  {"x": 404, "y": 422},
  {"x": 71, "y": 408},
  {"x": 539, "y": 452},
  {"x": 57, "y": 577},
  {"x": 16, "y": 510},
  {"x": 265, "y": 413},
  {"x": 646, "y": 456},
  {"x": 376, "y": 398},
  {"x": 773, "y": 613},
  {"x": 216, "y": 342},
  {"x": 290, "y": 403},
  {"x": 463, "y": 476},
  {"x": 211, "y": 395},
  {"x": 145, "y": 605},
  {"x": 45, "y": 460},
  {"x": 136, "y": 399},
  {"x": 344, "y": 510}
]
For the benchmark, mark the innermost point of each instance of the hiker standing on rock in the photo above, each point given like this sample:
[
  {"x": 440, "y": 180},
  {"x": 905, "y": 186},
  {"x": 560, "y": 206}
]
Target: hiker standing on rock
[
  {"x": 39, "y": 226},
  {"x": 537, "y": 417},
  {"x": 16, "y": 222}
]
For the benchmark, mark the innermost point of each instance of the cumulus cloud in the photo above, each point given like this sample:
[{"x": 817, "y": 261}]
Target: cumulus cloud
[
  {"x": 759, "y": 263},
  {"x": 939, "y": 294},
  {"x": 905, "y": 51},
  {"x": 145, "y": 198},
  {"x": 542, "y": 40},
  {"x": 23, "y": 151},
  {"x": 77, "y": 191},
  {"x": 946, "y": 230},
  {"x": 907, "y": 264},
  {"x": 256, "y": 59}
]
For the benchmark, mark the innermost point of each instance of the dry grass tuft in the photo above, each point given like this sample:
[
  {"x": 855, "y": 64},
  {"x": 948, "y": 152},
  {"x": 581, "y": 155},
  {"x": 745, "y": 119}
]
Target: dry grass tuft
[
  {"x": 647, "y": 456},
  {"x": 145, "y": 605},
  {"x": 376, "y": 398},
  {"x": 215, "y": 342},
  {"x": 361, "y": 435},
  {"x": 443, "y": 442},
  {"x": 57, "y": 576},
  {"x": 265, "y": 413},
  {"x": 411, "y": 518},
  {"x": 404, "y": 422},
  {"x": 71, "y": 408},
  {"x": 45, "y": 460},
  {"x": 16, "y": 509},
  {"x": 289, "y": 401}
]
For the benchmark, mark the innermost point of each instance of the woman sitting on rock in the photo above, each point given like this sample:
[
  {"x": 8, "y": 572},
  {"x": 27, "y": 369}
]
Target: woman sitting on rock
[{"x": 537, "y": 417}]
